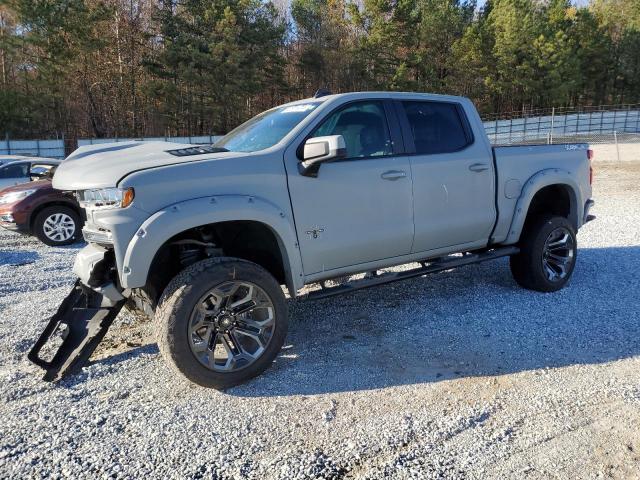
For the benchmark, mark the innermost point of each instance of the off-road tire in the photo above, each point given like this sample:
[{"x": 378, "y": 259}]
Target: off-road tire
[
  {"x": 527, "y": 266},
  {"x": 38, "y": 225},
  {"x": 178, "y": 301}
]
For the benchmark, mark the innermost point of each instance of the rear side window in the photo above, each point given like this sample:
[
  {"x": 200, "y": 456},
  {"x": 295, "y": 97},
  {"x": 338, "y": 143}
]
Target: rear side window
[
  {"x": 437, "y": 127},
  {"x": 18, "y": 170}
]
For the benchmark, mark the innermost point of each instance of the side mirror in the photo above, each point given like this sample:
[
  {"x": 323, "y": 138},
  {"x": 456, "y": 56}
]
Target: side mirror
[{"x": 319, "y": 150}]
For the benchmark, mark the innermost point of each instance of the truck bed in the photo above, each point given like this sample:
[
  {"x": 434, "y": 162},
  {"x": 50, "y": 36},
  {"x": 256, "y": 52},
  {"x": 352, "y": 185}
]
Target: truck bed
[{"x": 515, "y": 165}]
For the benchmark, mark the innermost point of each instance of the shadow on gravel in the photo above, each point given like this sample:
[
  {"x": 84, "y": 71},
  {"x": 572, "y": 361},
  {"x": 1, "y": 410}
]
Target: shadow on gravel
[
  {"x": 471, "y": 322},
  {"x": 17, "y": 258},
  {"x": 105, "y": 365}
]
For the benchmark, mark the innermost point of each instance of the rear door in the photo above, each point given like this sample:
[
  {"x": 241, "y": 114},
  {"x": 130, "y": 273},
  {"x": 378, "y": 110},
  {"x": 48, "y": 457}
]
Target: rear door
[
  {"x": 453, "y": 176},
  {"x": 358, "y": 209},
  {"x": 14, "y": 174}
]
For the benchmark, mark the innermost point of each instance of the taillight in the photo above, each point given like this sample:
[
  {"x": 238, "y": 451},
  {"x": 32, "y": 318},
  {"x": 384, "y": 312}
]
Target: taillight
[{"x": 590, "y": 157}]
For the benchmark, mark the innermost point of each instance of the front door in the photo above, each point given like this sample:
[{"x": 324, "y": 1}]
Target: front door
[{"x": 358, "y": 209}]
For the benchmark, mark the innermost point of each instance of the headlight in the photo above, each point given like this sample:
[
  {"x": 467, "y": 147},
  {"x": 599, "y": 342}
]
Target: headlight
[
  {"x": 106, "y": 198},
  {"x": 13, "y": 197}
]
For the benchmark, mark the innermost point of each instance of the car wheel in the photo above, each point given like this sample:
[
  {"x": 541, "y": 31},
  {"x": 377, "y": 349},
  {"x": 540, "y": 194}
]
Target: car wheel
[
  {"x": 57, "y": 225},
  {"x": 221, "y": 321},
  {"x": 548, "y": 251}
]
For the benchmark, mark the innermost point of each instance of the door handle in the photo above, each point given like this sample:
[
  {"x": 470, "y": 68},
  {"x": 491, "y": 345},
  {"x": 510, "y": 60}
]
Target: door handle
[
  {"x": 478, "y": 167},
  {"x": 393, "y": 175}
]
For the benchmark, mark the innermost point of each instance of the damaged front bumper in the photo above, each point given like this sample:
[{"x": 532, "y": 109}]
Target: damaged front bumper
[{"x": 83, "y": 318}]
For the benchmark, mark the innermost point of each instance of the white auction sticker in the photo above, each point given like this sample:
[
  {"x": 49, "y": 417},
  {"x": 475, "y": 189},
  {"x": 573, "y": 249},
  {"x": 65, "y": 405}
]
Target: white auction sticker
[{"x": 299, "y": 108}]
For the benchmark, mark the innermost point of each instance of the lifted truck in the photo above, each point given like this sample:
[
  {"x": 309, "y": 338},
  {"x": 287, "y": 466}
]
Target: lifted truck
[{"x": 203, "y": 238}]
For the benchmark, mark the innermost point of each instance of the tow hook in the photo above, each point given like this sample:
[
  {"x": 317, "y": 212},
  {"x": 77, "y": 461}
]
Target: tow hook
[{"x": 82, "y": 320}]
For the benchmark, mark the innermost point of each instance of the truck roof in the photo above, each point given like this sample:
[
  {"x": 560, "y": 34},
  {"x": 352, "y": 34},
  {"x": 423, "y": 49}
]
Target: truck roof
[{"x": 369, "y": 94}]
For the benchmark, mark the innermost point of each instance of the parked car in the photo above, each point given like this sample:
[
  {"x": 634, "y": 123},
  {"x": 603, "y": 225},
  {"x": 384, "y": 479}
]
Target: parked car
[
  {"x": 203, "y": 238},
  {"x": 36, "y": 208},
  {"x": 12, "y": 158},
  {"x": 25, "y": 170}
]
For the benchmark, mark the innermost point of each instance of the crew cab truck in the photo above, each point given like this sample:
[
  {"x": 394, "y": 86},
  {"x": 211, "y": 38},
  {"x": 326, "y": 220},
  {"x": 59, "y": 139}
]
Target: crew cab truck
[{"x": 203, "y": 239}]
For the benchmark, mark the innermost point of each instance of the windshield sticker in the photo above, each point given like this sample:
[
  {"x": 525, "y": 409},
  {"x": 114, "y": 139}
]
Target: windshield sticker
[{"x": 299, "y": 108}]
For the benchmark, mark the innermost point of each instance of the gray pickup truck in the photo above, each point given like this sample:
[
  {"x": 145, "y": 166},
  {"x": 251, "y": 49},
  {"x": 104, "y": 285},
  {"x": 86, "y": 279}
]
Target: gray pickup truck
[{"x": 204, "y": 238}]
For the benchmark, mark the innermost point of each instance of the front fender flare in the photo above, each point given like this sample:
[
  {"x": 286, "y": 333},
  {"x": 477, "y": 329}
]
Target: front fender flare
[
  {"x": 545, "y": 178},
  {"x": 176, "y": 218}
]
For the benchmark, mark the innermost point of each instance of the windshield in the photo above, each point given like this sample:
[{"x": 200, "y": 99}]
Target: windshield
[{"x": 267, "y": 129}]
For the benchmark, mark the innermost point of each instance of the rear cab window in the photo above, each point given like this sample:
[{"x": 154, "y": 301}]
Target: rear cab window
[{"x": 437, "y": 127}]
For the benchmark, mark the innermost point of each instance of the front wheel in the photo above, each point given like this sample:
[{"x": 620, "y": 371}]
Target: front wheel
[
  {"x": 548, "y": 251},
  {"x": 221, "y": 321},
  {"x": 57, "y": 225}
]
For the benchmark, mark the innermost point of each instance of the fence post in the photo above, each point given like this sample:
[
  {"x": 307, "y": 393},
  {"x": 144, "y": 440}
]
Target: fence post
[
  {"x": 615, "y": 139},
  {"x": 626, "y": 118},
  {"x": 511, "y": 131},
  {"x": 553, "y": 115}
]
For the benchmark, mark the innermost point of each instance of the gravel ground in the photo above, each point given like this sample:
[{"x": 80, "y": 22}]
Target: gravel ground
[{"x": 458, "y": 375}]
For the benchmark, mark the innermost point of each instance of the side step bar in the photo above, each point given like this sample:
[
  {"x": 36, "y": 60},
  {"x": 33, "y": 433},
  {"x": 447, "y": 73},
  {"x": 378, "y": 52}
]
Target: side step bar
[{"x": 427, "y": 267}]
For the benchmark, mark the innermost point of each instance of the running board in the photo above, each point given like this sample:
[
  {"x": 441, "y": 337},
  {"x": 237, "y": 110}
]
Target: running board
[{"x": 436, "y": 266}]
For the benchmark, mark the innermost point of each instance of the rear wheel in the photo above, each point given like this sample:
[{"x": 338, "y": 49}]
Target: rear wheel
[
  {"x": 57, "y": 225},
  {"x": 221, "y": 321},
  {"x": 547, "y": 257}
]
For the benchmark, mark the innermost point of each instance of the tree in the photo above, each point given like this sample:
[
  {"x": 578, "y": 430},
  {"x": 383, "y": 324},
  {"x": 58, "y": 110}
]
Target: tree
[
  {"x": 212, "y": 58},
  {"x": 155, "y": 67},
  {"x": 621, "y": 20}
]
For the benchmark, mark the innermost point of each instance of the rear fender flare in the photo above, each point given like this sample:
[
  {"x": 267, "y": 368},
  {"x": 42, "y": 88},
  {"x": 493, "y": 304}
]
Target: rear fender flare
[
  {"x": 544, "y": 178},
  {"x": 176, "y": 218}
]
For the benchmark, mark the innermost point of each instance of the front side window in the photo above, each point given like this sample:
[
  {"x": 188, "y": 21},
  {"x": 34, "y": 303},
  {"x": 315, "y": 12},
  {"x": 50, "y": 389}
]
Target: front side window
[
  {"x": 436, "y": 127},
  {"x": 266, "y": 129},
  {"x": 364, "y": 128},
  {"x": 14, "y": 171}
]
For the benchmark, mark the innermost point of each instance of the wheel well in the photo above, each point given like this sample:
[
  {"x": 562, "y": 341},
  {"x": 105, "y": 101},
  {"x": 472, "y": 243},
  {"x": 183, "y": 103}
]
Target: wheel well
[
  {"x": 249, "y": 240},
  {"x": 39, "y": 208},
  {"x": 555, "y": 199}
]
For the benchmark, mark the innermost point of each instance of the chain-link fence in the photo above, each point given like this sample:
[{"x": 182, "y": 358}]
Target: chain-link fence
[
  {"x": 606, "y": 125},
  {"x": 594, "y": 125}
]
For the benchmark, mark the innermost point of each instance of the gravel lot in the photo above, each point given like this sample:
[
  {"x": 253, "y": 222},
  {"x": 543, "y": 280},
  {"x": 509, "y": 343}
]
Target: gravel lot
[{"x": 458, "y": 375}]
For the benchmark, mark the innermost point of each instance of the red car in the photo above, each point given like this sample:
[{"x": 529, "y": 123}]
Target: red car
[{"x": 36, "y": 208}]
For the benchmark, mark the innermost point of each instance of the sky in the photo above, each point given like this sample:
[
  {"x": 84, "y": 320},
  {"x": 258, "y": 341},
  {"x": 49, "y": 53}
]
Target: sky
[{"x": 579, "y": 3}]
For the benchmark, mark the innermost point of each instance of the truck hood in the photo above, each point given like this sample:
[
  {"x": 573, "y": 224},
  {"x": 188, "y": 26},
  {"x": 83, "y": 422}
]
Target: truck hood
[{"x": 104, "y": 165}]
